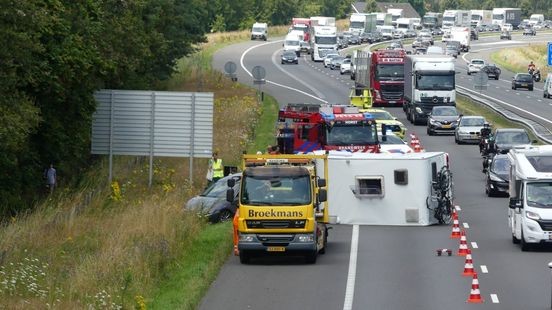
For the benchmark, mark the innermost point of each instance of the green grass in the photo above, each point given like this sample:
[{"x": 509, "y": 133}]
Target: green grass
[
  {"x": 189, "y": 279},
  {"x": 265, "y": 129}
]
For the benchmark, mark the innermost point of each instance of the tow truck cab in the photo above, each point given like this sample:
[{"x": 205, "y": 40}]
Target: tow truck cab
[{"x": 282, "y": 206}]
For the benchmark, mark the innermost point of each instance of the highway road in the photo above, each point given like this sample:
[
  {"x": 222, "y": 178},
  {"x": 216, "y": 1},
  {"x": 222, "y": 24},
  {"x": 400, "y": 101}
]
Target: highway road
[{"x": 385, "y": 267}]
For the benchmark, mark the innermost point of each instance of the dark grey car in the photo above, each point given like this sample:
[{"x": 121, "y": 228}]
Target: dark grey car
[
  {"x": 442, "y": 119},
  {"x": 497, "y": 175},
  {"x": 212, "y": 202},
  {"x": 522, "y": 80}
]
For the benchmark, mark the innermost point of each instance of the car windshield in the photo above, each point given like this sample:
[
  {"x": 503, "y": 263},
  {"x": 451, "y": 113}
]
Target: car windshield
[
  {"x": 472, "y": 122},
  {"x": 382, "y": 115},
  {"x": 501, "y": 165},
  {"x": 292, "y": 43},
  {"x": 276, "y": 191},
  {"x": 289, "y": 54},
  {"x": 524, "y": 77},
  {"x": 344, "y": 134},
  {"x": 390, "y": 72},
  {"x": 477, "y": 62},
  {"x": 510, "y": 137},
  {"x": 539, "y": 194},
  {"x": 445, "y": 111},
  {"x": 331, "y": 56}
]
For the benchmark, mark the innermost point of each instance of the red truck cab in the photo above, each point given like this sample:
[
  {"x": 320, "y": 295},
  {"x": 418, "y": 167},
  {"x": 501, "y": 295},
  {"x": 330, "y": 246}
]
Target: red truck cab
[{"x": 387, "y": 78}]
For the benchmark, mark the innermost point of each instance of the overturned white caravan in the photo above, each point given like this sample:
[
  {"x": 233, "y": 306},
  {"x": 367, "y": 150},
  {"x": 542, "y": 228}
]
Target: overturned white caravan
[{"x": 385, "y": 189}]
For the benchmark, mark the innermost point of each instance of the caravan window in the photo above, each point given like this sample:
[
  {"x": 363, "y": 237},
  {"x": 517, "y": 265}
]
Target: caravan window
[{"x": 369, "y": 186}]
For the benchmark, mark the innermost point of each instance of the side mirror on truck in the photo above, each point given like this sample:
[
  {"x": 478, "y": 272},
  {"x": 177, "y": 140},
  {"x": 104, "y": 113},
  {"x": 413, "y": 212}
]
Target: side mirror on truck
[
  {"x": 322, "y": 195},
  {"x": 321, "y": 182},
  {"x": 230, "y": 195},
  {"x": 515, "y": 203}
]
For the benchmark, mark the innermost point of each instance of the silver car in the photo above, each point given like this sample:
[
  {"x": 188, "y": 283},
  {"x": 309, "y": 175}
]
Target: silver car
[{"x": 469, "y": 129}]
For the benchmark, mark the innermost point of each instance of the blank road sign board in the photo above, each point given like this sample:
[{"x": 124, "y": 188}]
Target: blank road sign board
[{"x": 158, "y": 123}]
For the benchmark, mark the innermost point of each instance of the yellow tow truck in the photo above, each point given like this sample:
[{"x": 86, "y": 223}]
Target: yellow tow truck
[{"x": 282, "y": 206}]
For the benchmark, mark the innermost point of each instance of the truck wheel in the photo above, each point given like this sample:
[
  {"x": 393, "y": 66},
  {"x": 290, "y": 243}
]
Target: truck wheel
[
  {"x": 311, "y": 258},
  {"x": 244, "y": 258},
  {"x": 524, "y": 245}
]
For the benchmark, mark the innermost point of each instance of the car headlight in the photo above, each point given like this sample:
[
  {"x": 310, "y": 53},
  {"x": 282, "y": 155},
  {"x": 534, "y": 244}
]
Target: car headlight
[
  {"x": 418, "y": 110},
  {"x": 495, "y": 178},
  {"x": 532, "y": 215},
  {"x": 305, "y": 237},
  {"x": 433, "y": 122},
  {"x": 247, "y": 237}
]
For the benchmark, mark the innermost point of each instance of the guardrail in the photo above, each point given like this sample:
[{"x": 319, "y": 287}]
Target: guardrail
[{"x": 497, "y": 105}]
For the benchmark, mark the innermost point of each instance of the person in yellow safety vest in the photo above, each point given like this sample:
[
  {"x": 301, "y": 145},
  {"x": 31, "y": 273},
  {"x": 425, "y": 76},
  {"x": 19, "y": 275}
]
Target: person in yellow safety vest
[{"x": 218, "y": 169}]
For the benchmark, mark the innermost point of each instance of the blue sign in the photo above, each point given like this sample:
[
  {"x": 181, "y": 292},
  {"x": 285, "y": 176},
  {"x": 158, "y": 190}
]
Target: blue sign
[{"x": 550, "y": 53}]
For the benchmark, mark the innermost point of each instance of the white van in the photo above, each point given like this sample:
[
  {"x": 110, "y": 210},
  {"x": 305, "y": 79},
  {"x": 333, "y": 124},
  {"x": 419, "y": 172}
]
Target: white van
[
  {"x": 548, "y": 86},
  {"x": 293, "y": 42},
  {"x": 530, "y": 189},
  {"x": 259, "y": 31}
]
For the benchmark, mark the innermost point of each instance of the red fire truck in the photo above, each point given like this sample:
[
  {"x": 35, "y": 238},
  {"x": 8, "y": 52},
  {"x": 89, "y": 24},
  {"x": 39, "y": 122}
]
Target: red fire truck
[
  {"x": 304, "y": 128},
  {"x": 387, "y": 78}
]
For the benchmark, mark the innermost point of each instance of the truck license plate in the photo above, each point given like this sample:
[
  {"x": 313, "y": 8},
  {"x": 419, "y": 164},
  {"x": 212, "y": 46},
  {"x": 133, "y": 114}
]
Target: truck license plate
[{"x": 276, "y": 249}]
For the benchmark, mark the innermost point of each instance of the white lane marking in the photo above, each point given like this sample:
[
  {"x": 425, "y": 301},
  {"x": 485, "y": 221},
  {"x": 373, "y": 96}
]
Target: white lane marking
[
  {"x": 484, "y": 269},
  {"x": 474, "y": 245},
  {"x": 494, "y": 298},
  {"x": 466, "y": 225},
  {"x": 351, "y": 276},
  {"x": 314, "y": 90},
  {"x": 457, "y": 208},
  {"x": 511, "y": 106},
  {"x": 268, "y": 81}
]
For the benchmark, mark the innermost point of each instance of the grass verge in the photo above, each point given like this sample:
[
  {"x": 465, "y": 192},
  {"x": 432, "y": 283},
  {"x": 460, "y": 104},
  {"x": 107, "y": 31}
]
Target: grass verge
[
  {"x": 467, "y": 106},
  {"x": 122, "y": 244},
  {"x": 197, "y": 268},
  {"x": 517, "y": 59}
]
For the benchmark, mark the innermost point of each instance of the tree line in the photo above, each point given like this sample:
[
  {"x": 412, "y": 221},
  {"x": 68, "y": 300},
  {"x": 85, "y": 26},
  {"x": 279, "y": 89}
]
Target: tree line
[{"x": 55, "y": 53}]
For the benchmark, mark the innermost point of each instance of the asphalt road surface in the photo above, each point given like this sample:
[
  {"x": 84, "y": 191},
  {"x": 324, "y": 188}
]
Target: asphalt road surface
[{"x": 386, "y": 267}]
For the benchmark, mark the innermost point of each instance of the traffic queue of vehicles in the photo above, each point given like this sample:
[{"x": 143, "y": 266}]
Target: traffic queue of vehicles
[{"x": 424, "y": 85}]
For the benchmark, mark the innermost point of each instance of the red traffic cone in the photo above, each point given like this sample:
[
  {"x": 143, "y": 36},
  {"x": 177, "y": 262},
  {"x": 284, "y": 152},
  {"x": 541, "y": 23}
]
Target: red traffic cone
[
  {"x": 463, "y": 248},
  {"x": 468, "y": 266},
  {"x": 475, "y": 281},
  {"x": 455, "y": 234},
  {"x": 454, "y": 214},
  {"x": 417, "y": 148},
  {"x": 475, "y": 294}
]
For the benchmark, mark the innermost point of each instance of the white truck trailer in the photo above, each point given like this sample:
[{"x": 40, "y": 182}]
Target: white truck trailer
[
  {"x": 510, "y": 16},
  {"x": 384, "y": 19},
  {"x": 429, "y": 80},
  {"x": 369, "y": 188},
  {"x": 456, "y": 18},
  {"x": 481, "y": 17},
  {"x": 404, "y": 24},
  {"x": 462, "y": 35},
  {"x": 362, "y": 22},
  {"x": 530, "y": 189}
]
